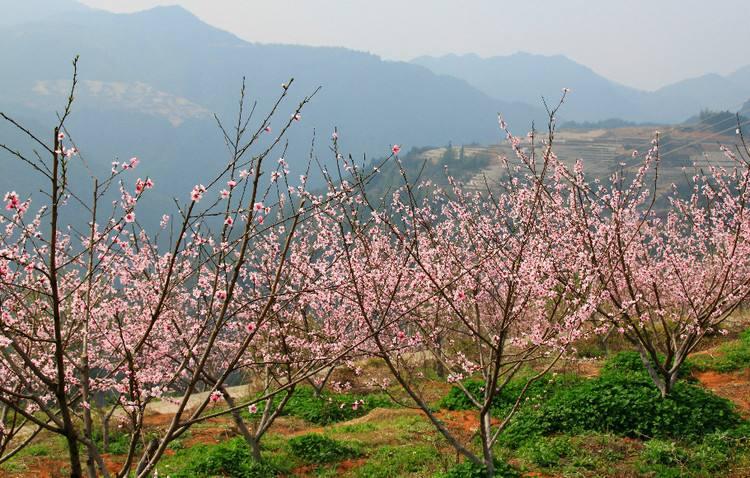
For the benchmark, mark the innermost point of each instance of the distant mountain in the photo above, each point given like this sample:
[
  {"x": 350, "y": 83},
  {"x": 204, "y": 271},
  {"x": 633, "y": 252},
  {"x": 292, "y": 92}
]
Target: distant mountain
[
  {"x": 151, "y": 81},
  {"x": 526, "y": 77},
  {"x": 27, "y": 11},
  {"x": 523, "y": 77},
  {"x": 745, "y": 110}
]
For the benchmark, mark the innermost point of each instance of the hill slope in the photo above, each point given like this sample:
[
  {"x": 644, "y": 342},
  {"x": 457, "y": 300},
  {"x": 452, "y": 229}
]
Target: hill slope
[{"x": 524, "y": 77}]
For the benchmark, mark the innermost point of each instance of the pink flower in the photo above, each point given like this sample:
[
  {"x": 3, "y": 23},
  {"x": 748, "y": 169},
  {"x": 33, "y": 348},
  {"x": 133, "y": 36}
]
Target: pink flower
[
  {"x": 224, "y": 194},
  {"x": 216, "y": 396},
  {"x": 245, "y": 173},
  {"x": 12, "y": 201},
  {"x": 228, "y": 221},
  {"x": 134, "y": 162},
  {"x": 260, "y": 219},
  {"x": 267, "y": 129},
  {"x": 197, "y": 192},
  {"x": 297, "y": 117},
  {"x": 231, "y": 183},
  {"x": 141, "y": 185},
  {"x": 258, "y": 206},
  {"x": 252, "y": 408},
  {"x": 396, "y": 149},
  {"x": 130, "y": 217},
  {"x": 250, "y": 327},
  {"x": 274, "y": 176},
  {"x": 60, "y": 136}
]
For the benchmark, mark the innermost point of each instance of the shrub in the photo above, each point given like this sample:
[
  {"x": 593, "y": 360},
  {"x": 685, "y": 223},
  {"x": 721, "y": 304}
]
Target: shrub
[
  {"x": 331, "y": 407},
  {"x": 624, "y": 402},
  {"x": 456, "y": 399},
  {"x": 317, "y": 448},
  {"x": 468, "y": 469},
  {"x": 630, "y": 362},
  {"x": 231, "y": 459}
]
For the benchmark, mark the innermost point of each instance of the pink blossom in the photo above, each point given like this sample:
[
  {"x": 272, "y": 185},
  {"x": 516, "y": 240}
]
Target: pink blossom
[
  {"x": 228, "y": 221},
  {"x": 396, "y": 149},
  {"x": 12, "y": 201},
  {"x": 130, "y": 217},
  {"x": 231, "y": 183},
  {"x": 197, "y": 192}
]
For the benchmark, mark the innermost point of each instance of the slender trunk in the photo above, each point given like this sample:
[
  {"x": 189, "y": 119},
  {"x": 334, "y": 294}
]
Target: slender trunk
[
  {"x": 255, "y": 449},
  {"x": 439, "y": 367},
  {"x": 240, "y": 423},
  {"x": 485, "y": 425},
  {"x": 60, "y": 376},
  {"x": 76, "y": 471},
  {"x": 105, "y": 433},
  {"x": 153, "y": 444}
]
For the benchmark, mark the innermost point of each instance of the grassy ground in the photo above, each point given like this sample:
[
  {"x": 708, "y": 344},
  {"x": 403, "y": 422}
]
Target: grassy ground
[{"x": 319, "y": 438}]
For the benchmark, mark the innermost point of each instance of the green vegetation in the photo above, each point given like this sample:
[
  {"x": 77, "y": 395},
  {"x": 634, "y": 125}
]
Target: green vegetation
[
  {"x": 317, "y": 448},
  {"x": 615, "y": 424},
  {"x": 230, "y": 459},
  {"x": 625, "y": 402},
  {"x": 391, "y": 461},
  {"x": 328, "y": 408},
  {"x": 730, "y": 356},
  {"x": 467, "y": 469},
  {"x": 708, "y": 458}
]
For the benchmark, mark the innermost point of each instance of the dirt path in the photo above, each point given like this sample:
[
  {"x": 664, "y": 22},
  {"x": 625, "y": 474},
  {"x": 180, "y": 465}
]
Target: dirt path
[{"x": 733, "y": 386}]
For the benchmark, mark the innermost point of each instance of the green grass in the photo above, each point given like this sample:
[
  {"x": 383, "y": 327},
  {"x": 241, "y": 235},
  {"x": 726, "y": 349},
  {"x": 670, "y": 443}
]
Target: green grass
[
  {"x": 731, "y": 356},
  {"x": 329, "y": 407},
  {"x": 317, "y": 448},
  {"x": 231, "y": 459},
  {"x": 407, "y": 460}
]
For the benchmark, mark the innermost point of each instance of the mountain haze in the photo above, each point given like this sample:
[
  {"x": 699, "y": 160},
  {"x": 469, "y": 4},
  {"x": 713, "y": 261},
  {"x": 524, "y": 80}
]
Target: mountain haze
[
  {"x": 526, "y": 77},
  {"x": 151, "y": 81}
]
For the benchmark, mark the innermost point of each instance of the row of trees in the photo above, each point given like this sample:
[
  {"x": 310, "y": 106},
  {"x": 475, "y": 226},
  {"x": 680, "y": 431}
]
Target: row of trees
[{"x": 256, "y": 278}]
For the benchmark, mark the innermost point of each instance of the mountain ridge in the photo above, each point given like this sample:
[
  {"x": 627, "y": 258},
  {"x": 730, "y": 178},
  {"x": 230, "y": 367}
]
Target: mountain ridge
[{"x": 593, "y": 97}]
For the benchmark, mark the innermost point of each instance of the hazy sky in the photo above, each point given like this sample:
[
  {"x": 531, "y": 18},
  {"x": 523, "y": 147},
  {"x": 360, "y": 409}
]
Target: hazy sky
[{"x": 641, "y": 43}]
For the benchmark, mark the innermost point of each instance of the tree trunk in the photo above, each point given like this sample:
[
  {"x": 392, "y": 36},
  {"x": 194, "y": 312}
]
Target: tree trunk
[
  {"x": 485, "y": 424},
  {"x": 153, "y": 444},
  {"x": 240, "y": 423},
  {"x": 75, "y": 457}
]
